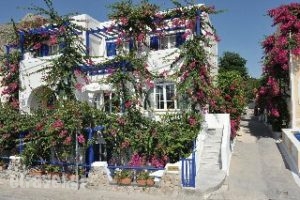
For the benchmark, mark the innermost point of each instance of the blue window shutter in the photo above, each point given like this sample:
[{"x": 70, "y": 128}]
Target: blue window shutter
[
  {"x": 111, "y": 48},
  {"x": 154, "y": 42},
  {"x": 179, "y": 39},
  {"x": 45, "y": 50}
]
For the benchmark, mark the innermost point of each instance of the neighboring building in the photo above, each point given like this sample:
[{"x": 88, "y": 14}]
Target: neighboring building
[{"x": 102, "y": 47}]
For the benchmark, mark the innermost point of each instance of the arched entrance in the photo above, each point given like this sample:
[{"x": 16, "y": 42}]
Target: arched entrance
[{"x": 41, "y": 97}]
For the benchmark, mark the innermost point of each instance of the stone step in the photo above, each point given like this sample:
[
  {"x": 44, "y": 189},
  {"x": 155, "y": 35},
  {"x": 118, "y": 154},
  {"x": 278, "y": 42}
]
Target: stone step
[
  {"x": 210, "y": 151},
  {"x": 209, "y": 180}
]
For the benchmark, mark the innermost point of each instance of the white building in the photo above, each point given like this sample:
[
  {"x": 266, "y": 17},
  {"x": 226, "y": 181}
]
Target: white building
[{"x": 102, "y": 47}]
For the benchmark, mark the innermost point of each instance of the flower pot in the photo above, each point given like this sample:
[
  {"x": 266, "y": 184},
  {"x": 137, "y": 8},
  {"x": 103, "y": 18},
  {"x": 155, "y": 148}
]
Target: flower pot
[
  {"x": 36, "y": 173},
  {"x": 54, "y": 175},
  {"x": 3, "y": 167},
  {"x": 70, "y": 177},
  {"x": 141, "y": 182},
  {"x": 150, "y": 182},
  {"x": 125, "y": 181}
]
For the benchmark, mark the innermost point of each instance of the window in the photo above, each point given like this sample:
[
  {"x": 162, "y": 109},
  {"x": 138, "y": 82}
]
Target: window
[
  {"x": 111, "y": 49},
  {"x": 164, "y": 96},
  {"x": 53, "y": 50},
  {"x": 167, "y": 42},
  {"x": 107, "y": 101}
]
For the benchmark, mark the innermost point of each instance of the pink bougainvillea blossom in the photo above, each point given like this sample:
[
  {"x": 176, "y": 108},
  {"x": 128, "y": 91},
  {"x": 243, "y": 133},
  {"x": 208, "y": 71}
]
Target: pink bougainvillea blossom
[
  {"x": 58, "y": 124},
  {"x": 67, "y": 140},
  {"x": 81, "y": 138}
]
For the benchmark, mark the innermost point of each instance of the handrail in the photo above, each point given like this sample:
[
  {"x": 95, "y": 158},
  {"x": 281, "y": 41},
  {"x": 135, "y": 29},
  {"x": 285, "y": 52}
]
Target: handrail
[{"x": 135, "y": 168}]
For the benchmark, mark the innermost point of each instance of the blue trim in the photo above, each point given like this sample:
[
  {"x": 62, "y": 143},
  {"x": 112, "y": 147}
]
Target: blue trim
[
  {"x": 44, "y": 50},
  {"x": 111, "y": 48},
  {"x": 179, "y": 39},
  {"x": 22, "y": 40},
  {"x": 198, "y": 23},
  {"x": 150, "y": 168},
  {"x": 90, "y": 148},
  {"x": 21, "y": 142},
  {"x": 154, "y": 42},
  {"x": 87, "y": 43}
]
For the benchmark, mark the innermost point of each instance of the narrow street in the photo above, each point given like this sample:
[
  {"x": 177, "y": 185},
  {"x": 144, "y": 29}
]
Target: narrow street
[{"x": 258, "y": 170}]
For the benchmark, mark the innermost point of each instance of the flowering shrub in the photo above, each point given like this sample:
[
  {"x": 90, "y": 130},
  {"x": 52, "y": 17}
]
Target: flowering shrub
[
  {"x": 230, "y": 99},
  {"x": 278, "y": 49},
  {"x": 158, "y": 142}
]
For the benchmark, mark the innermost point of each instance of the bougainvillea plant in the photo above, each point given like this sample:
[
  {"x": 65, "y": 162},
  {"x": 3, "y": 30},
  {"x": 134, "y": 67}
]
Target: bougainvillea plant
[
  {"x": 128, "y": 133},
  {"x": 278, "y": 49}
]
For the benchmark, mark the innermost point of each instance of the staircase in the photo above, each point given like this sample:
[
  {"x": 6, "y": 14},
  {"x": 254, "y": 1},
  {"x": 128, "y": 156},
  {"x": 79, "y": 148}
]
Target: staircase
[{"x": 210, "y": 175}]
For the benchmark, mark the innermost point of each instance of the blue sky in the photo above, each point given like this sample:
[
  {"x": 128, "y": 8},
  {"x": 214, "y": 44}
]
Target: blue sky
[{"x": 241, "y": 27}]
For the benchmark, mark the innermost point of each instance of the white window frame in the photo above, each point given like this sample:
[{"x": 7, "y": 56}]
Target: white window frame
[
  {"x": 53, "y": 49},
  {"x": 164, "y": 95},
  {"x": 99, "y": 101},
  {"x": 169, "y": 41}
]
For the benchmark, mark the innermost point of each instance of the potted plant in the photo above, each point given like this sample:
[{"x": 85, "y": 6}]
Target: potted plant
[
  {"x": 3, "y": 165},
  {"x": 123, "y": 177},
  {"x": 53, "y": 171},
  {"x": 142, "y": 177},
  {"x": 37, "y": 171}
]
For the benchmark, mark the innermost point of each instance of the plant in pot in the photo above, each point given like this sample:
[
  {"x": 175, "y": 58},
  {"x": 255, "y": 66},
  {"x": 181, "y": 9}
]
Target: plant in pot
[
  {"x": 53, "y": 171},
  {"x": 123, "y": 177},
  {"x": 3, "y": 165},
  {"x": 37, "y": 171},
  {"x": 142, "y": 177}
]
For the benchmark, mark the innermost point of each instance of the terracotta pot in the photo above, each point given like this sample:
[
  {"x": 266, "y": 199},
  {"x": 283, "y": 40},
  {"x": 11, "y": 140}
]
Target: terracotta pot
[
  {"x": 141, "y": 182},
  {"x": 125, "y": 181},
  {"x": 150, "y": 182},
  {"x": 54, "y": 175},
  {"x": 2, "y": 167},
  {"x": 71, "y": 177},
  {"x": 36, "y": 173}
]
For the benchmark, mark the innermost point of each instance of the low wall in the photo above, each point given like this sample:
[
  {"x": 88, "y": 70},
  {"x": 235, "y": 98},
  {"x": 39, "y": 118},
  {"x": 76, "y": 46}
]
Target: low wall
[
  {"x": 222, "y": 121},
  {"x": 292, "y": 147}
]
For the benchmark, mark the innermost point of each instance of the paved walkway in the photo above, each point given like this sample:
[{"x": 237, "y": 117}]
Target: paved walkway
[{"x": 257, "y": 171}]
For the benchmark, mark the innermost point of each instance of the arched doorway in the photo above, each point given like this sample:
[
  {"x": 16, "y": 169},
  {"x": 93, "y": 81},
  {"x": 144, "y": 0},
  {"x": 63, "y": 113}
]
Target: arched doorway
[{"x": 41, "y": 97}]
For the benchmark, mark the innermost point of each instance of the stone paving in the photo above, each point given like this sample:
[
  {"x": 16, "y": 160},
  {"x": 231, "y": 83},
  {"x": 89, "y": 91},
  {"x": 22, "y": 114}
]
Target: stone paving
[{"x": 258, "y": 170}]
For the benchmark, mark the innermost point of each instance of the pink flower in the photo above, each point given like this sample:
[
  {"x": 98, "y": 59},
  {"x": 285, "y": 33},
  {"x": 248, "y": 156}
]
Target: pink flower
[
  {"x": 53, "y": 40},
  {"x": 140, "y": 37},
  {"x": 68, "y": 140},
  {"x": 77, "y": 73},
  {"x": 192, "y": 121},
  {"x": 81, "y": 139},
  {"x": 136, "y": 160},
  {"x": 39, "y": 126},
  {"x": 62, "y": 29},
  {"x": 119, "y": 41},
  {"x": 13, "y": 68},
  {"x": 149, "y": 83},
  {"x": 128, "y": 104},
  {"x": 79, "y": 86},
  {"x": 58, "y": 124},
  {"x": 37, "y": 46},
  {"x": 275, "y": 112},
  {"x": 63, "y": 133},
  {"x": 124, "y": 20}
]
